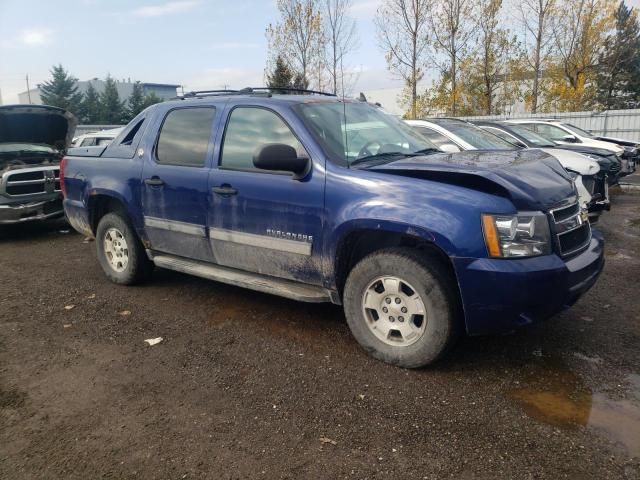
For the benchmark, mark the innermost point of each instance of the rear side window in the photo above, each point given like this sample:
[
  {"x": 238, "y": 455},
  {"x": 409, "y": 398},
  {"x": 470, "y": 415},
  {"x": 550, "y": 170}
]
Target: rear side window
[
  {"x": 435, "y": 137},
  {"x": 184, "y": 137},
  {"x": 248, "y": 129}
]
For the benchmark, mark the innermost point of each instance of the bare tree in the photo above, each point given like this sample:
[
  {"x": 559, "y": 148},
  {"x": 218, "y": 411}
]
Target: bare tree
[
  {"x": 536, "y": 17},
  {"x": 297, "y": 35},
  {"x": 498, "y": 49},
  {"x": 579, "y": 36},
  {"x": 402, "y": 33},
  {"x": 341, "y": 33},
  {"x": 453, "y": 30}
]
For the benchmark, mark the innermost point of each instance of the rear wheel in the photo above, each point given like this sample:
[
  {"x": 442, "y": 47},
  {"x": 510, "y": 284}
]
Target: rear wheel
[
  {"x": 402, "y": 307},
  {"x": 120, "y": 251}
]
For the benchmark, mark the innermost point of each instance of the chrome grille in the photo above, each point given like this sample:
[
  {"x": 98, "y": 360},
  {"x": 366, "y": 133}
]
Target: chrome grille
[
  {"x": 571, "y": 229},
  {"x": 30, "y": 181}
]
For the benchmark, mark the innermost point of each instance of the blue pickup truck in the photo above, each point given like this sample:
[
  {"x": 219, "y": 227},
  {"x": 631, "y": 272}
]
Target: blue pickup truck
[{"x": 322, "y": 199}]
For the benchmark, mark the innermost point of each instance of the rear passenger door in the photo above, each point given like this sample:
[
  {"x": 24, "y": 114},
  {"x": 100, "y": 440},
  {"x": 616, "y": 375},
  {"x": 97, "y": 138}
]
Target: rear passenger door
[
  {"x": 175, "y": 193},
  {"x": 264, "y": 221}
]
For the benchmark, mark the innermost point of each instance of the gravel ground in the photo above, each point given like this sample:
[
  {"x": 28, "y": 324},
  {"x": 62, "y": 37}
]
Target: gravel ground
[{"x": 246, "y": 385}]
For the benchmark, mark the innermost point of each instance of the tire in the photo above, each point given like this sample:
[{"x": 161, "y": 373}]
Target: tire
[
  {"x": 120, "y": 252},
  {"x": 415, "y": 272}
]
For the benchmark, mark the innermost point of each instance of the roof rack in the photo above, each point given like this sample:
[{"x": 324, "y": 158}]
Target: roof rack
[
  {"x": 206, "y": 93},
  {"x": 266, "y": 91}
]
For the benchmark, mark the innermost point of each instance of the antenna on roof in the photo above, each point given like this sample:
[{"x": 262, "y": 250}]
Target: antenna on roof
[{"x": 362, "y": 98}]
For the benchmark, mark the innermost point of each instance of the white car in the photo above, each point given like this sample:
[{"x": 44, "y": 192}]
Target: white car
[
  {"x": 453, "y": 135},
  {"x": 565, "y": 133},
  {"x": 94, "y": 139}
]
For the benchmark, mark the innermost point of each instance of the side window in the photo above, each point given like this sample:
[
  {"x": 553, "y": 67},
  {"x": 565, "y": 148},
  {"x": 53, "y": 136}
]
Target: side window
[
  {"x": 132, "y": 133},
  {"x": 436, "y": 138},
  {"x": 88, "y": 142},
  {"x": 247, "y": 130},
  {"x": 548, "y": 131},
  {"x": 504, "y": 136},
  {"x": 184, "y": 136}
]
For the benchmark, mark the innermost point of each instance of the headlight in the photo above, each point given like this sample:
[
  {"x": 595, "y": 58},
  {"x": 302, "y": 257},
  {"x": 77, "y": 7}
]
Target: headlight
[{"x": 522, "y": 235}]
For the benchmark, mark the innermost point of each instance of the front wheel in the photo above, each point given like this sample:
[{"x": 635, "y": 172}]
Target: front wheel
[
  {"x": 120, "y": 252},
  {"x": 401, "y": 306}
]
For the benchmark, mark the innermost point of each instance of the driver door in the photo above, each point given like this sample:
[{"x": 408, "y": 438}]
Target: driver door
[{"x": 264, "y": 221}]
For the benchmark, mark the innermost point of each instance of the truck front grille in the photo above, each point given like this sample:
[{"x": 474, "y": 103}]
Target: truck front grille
[
  {"x": 571, "y": 229},
  {"x": 31, "y": 181}
]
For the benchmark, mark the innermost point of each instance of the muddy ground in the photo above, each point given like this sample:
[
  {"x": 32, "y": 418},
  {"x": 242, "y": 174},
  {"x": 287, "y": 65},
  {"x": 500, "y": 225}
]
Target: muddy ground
[{"x": 247, "y": 385}]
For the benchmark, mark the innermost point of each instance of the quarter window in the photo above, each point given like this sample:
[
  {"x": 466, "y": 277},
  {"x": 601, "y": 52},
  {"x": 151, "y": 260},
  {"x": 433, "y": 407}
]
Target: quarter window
[
  {"x": 435, "y": 137},
  {"x": 550, "y": 132},
  {"x": 250, "y": 128},
  {"x": 184, "y": 138}
]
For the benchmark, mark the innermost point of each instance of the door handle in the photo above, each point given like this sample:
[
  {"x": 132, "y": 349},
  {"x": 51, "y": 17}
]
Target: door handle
[
  {"x": 154, "y": 181},
  {"x": 225, "y": 190}
]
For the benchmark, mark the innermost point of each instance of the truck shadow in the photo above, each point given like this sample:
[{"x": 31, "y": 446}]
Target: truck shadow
[{"x": 34, "y": 230}]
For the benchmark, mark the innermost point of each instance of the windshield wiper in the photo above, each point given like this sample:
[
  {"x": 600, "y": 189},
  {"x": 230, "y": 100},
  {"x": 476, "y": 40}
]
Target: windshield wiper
[
  {"x": 424, "y": 151},
  {"x": 378, "y": 156}
]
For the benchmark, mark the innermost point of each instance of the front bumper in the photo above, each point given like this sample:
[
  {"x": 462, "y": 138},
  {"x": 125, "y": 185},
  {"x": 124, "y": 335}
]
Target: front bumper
[
  {"x": 30, "y": 211},
  {"x": 499, "y": 295}
]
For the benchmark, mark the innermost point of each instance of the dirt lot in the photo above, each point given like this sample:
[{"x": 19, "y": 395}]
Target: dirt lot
[{"x": 247, "y": 385}]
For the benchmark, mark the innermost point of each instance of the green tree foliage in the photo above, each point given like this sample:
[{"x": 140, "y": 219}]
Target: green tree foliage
[
  {"x": 61, "y": 91},
  {"x": 150, "y": 99},
  {"x": 618, "y": 76},
  {"x": 281, "y": 76},
  {"x": 91, "y": 107},
  {"x": 112, "y": 110},
  {"x": 135, "y": 101}
]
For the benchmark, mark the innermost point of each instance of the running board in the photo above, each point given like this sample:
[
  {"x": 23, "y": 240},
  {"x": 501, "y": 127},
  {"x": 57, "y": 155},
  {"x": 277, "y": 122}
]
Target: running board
[{"x": 253, "y": 281}]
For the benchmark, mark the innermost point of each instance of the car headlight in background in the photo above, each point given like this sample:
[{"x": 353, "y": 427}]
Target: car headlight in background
[{"x": 523, "y": 235}]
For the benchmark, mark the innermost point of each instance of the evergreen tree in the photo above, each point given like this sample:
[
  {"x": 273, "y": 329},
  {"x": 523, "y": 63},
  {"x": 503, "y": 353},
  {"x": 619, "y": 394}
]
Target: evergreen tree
[
  {"x": 281, "y": 76},
  {"x": 619, "y": 63},
  {"x": 111, "y": 108},
  {"x": 151, "y": 99},
  {"x": 91, "y": 106},
  {"x": 300, "y": 81},
  {"x": 61, "y": 91},
  {"x": 136, "y": 101}
]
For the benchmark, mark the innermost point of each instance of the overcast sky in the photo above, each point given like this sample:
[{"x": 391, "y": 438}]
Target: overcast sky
[{"x": 196, "y": 43}]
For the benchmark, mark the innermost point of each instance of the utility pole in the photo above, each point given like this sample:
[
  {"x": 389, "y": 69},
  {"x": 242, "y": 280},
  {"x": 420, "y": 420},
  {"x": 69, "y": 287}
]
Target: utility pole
[{"x": 28, "y": 90}]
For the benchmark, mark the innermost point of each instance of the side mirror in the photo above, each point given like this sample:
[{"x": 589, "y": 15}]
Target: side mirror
[
  {"x": 449, "y": 148},
  {"x": 281, "y": 158},
  {"x": 569, "y": 139}
]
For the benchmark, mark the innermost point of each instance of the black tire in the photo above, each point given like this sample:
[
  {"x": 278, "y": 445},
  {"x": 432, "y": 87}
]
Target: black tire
[
  {"x": 138, "y": 267},
  {"x": 437, "y": 289}
]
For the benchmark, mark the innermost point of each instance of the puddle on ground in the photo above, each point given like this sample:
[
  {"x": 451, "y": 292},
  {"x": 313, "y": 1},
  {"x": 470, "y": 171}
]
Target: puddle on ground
[{"x": 558, "y": 397}]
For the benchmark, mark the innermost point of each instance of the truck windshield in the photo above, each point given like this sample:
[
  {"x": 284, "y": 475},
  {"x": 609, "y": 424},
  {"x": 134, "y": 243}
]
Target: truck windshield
[
  {"x": 579, "y": 131},
  {"x": 476, "y": 137},
  {"x": 351, "y": 133},
  {"x": 531, "y": 136}
]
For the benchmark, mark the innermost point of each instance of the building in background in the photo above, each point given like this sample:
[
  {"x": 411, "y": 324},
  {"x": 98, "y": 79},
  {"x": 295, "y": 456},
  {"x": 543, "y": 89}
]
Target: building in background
[{"x": 162, "y": 90}]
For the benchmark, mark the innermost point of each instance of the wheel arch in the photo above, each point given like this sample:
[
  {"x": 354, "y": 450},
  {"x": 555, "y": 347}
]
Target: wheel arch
[
  {"x": 356, "y": 243},
  {"x": 100, "y": 203}
]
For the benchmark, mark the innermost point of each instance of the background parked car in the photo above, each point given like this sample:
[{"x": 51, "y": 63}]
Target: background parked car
[
  {"x": 523, "y": 136},
  {"x": 597, "y": 185},
  {"x": 97, "y": 139},
  {"x": 459, "y": 134},
  {"x": 33, "y": 139},
  {"x": 566, "y": 134}
]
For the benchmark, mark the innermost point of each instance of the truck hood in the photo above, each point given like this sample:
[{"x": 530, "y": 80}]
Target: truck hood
[
  {"x": 532, "y": 179},
  {"x": 620, "y": 141},
  {"x": 574, "y": 161},
  {"x": 37, "y": 124}
]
